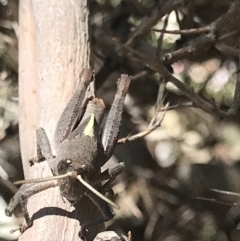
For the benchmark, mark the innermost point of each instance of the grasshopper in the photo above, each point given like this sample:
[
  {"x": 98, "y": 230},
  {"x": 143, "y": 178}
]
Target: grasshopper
[{"x": 81, "y": 151}]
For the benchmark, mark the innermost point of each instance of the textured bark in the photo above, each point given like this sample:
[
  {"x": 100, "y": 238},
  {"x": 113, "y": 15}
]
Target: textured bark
[{"x": 53, "y": 48}]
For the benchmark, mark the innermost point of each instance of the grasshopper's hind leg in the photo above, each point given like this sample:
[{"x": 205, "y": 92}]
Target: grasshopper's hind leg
[
  {"x": 74, "y": 110},
  {"x": 113, "y": 122}
]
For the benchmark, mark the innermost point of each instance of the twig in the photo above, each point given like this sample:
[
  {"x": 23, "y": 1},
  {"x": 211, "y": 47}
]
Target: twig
[
  {"x": 227, "y": 50},
  {"x": 225, "y": 192},
  {"x": 218, "y": 30},
  {"x": 179, "y": 54},
  {"x": 158, "y": 66},
  {"x": 226, "y": 35},
  {"x": 139, "y": 75},
  {"x": 159, "y": 101},
  {"x": 178, "y": 106},
  {"x": 213, "y": 200},
  {"x": 177, "y": 17},
  {"x": 149, "y": 21},
  {"x": 154, "y": 124},
  {"x": 236, "y": 99},
  {"x": 160, "y": 39},
  {"x": 145, "y": 132},
  {"x": 185, "y": 31}
]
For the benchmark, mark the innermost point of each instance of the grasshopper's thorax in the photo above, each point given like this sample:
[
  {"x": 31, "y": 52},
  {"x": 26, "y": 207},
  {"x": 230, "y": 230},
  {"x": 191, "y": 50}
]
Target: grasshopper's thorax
[
  {"x": 83, "y": 147},
  {"x": 82, "y": 153}
]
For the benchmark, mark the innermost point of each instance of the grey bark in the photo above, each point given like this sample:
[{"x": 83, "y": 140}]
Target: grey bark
[{"x": 54, "y": 46}]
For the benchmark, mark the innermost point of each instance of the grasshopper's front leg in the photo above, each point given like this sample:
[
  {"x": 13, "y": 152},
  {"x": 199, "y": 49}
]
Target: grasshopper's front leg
[
  {"x": 109, "y": 175},
  {"x": 44, "y": 151},
  {"x": 113, "y": 122},
  {"x": 21, "y": 198}
]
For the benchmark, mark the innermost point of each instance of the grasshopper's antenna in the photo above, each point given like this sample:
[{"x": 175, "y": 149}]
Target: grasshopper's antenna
[
  {"x": 93, "y": 190},
  {"x": 70, "y": 174},
  {"x": 44, "y": 179}
]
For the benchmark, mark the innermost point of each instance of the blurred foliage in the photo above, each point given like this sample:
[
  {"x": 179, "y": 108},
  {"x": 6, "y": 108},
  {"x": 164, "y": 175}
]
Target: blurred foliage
[{"x": 188, "y": 155}]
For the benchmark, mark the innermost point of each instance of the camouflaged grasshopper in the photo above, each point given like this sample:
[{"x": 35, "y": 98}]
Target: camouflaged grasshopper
[{"x": 80, "y": 151}]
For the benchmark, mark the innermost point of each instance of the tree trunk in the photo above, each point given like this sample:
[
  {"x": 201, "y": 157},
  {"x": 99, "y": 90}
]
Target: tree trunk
[{"x": 54, "y": 46}]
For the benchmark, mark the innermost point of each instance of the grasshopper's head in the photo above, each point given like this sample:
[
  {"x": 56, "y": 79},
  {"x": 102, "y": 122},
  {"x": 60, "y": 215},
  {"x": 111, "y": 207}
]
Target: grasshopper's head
[{"x": 68, "y": 165}]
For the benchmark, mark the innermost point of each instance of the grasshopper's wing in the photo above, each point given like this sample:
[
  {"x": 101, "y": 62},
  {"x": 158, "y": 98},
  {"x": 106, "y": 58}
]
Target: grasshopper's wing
[{"x": 91, "y": 120}]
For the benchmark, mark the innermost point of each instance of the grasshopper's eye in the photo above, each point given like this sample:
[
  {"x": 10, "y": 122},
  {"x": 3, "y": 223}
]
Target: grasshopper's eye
[
  {"x": 64, "y": 166},
  {"x": 68, "y": 161}
]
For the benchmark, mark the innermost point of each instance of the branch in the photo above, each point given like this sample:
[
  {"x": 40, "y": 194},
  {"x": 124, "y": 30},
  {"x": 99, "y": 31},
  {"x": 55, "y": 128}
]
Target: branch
[
  {"x": 184, "y": 31},
  {"x": 236, "y": 99},
  {"x": 147, "y": 22},
  {"x": 219, "y": 32},
  {"x": 179, "y": 106},
  {"x": 160, "y": 39},
  {"x": 155, "y": 122},
  {"x": 158, "y": 66}
]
